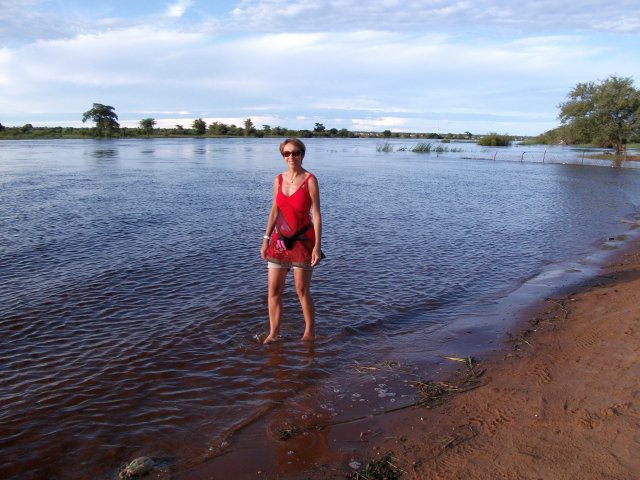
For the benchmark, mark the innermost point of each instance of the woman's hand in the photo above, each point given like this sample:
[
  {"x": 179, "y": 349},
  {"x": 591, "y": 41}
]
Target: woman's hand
[
  {"x": 316, "y": 256},
  {"x": 263, "y": 250}
]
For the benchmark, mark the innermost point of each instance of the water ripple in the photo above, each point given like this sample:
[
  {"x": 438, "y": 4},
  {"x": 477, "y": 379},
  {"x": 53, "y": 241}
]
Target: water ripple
[{"x": 132, "y": 287}]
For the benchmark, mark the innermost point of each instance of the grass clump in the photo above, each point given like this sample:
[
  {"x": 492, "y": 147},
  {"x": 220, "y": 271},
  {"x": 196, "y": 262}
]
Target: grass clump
[
  {"x": 380, "y": 469},
  {"x": 384, "y": 147},
  {"x": 291, "y": 430},
  {"x": 423, "y": 147},
  {"x": 360, "y": 368},
  {"x": 495, "y": 140},
  {"x": 431, "y": 393},
  {"x": 441, "y": 149}
]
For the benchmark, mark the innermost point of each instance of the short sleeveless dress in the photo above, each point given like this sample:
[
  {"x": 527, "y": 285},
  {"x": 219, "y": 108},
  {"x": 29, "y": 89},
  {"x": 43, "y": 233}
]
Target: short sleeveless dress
[{"x": 294, "y": 237}]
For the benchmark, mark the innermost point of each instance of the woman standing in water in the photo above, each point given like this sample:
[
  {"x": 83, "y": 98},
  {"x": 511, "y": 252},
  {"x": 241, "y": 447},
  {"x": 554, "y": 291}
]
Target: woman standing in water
[{"x": 292, "y": 240}]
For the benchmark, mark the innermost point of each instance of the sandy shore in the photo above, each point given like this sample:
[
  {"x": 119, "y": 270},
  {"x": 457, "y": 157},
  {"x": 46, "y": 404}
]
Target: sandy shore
[{"x": 561, "y": 401}]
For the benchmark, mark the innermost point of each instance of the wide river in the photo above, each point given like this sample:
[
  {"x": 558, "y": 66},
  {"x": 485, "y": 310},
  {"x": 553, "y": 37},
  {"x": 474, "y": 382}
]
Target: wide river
[{"x": 132, "y": 290}]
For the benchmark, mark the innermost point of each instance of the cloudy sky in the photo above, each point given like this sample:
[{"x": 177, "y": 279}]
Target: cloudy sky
[{"x": 404, "y": 65}]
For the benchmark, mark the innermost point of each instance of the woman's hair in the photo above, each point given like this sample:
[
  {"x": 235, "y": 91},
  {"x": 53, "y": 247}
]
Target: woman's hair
[{"x": 296, "y": 142}]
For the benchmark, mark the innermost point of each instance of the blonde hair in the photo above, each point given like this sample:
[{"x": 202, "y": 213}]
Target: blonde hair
[{"x": 298, "y": 143}]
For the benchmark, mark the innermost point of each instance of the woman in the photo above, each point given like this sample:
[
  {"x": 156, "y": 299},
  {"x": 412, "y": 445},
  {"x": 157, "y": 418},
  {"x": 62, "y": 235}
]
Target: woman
[{"x": 292, "y": 240}]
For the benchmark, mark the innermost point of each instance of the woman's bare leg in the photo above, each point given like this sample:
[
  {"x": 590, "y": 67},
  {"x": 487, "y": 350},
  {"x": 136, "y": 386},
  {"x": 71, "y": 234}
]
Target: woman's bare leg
[
  {"x": 302, "y": 279},
  {"x": 276, "y": 280}
]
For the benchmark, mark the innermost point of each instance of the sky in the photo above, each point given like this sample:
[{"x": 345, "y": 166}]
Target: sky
[{"x": 441, "y": 66}]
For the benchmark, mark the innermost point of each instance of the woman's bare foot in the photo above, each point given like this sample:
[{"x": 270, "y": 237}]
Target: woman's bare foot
[
  {"x": 308, "y": 337},
  {"x": 272, "y": 339}
]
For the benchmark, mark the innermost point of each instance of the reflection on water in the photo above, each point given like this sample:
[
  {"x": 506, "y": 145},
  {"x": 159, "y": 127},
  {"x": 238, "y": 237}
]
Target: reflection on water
[
  {"x": 132, "y": 291},
  {"x": 104, "y": 153}
]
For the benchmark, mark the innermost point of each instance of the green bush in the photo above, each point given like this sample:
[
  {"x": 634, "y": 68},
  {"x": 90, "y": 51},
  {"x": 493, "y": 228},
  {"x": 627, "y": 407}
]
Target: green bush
[{"x": 495, "y": 140}]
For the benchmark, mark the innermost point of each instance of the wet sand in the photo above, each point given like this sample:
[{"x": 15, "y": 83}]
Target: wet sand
[{"x": 560, "y": 401}]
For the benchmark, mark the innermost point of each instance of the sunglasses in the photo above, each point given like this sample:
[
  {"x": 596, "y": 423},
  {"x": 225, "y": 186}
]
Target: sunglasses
[{"x": 297, "y": 153}]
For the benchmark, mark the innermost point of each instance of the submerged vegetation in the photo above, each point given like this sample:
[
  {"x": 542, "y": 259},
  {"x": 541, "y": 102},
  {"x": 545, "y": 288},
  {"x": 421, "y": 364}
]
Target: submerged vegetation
[
  {"x": 383, "y": 468},
  {"x": 422, "y": 147},
  {"x": 495, "y": 140},
  {"x": 385, "y": 147}
]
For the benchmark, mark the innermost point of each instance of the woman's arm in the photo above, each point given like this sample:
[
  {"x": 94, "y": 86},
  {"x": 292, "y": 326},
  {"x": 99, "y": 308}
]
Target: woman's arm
[
  {"x": 314, "y": 192},
  {"x": 271, "y": 221}
]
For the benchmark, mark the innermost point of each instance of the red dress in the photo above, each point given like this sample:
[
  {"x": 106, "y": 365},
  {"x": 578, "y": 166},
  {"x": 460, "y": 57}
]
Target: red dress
[{"x": 294, "y": 237}]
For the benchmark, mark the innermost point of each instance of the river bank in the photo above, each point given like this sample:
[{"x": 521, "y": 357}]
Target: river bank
[{"x": 561, "y": 402}]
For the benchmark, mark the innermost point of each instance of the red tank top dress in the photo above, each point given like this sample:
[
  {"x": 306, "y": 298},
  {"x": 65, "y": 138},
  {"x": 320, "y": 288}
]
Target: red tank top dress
[{"x": 294, "y": 237}]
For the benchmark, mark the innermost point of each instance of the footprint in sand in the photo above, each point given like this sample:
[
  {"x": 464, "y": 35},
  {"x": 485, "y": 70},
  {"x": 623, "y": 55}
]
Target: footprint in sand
[{"x": 541, "y": 373}]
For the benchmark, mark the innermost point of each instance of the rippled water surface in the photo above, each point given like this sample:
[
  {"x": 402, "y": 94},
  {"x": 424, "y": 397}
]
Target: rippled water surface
[{"x": 132, "y": 289}]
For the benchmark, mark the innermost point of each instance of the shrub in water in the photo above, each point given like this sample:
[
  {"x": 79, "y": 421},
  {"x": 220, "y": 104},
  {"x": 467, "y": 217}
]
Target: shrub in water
[
  {"x": 423, "y": 148},
  {"x": 495, "y": 140}
]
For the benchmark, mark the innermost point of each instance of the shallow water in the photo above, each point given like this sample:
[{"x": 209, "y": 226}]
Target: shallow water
[{"x": 132, "y": 287}]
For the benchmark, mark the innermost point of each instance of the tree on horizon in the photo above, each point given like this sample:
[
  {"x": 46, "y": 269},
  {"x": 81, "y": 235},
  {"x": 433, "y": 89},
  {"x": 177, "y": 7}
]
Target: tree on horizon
[
  {"x": 249, "y": 129},
  {"x": 104, "y": 117},
  {"x": 200, "y": 126},
  {"x": 147, "y": 124}
]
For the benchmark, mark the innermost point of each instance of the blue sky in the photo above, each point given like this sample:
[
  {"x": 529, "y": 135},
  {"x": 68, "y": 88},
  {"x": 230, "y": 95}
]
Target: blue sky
[{"x": 414, "y": 66}]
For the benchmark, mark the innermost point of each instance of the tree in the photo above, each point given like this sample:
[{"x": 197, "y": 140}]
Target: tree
[
  {"x": 200, "y": 126},
  {"x": 234, "y": 130},
  {"x": 318, "y": 128},
  {"x": 218, "y": 128},
  {"x": 104, "y": 117},
  {"x": 605, "y": 113},
  {"x": 386, "y": 134},
  {"x": 146, "y": 124},
  {"x": 305, "y": 133},
  {"x": 248, "y": 127}
]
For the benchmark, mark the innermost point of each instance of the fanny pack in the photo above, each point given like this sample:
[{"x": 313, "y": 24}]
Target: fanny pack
[{"x": 288, "y": 241}]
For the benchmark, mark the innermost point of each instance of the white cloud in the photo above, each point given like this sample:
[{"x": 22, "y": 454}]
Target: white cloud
[
  {"x": 384, "y": 123},
  {"x": 539, "y": 16},
  {"x": 388, "y": 63},
  {"x": 179, "y": 8}
]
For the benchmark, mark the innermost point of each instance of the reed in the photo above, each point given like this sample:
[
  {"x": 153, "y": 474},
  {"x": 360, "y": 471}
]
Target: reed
[
  {"x": 423, "y": 147},
  {"x": 441, "y": 149}
]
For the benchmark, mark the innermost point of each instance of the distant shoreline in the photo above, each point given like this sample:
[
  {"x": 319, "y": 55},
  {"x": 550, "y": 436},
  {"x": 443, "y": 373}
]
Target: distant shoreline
[{"x": 361, "y": 135}]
